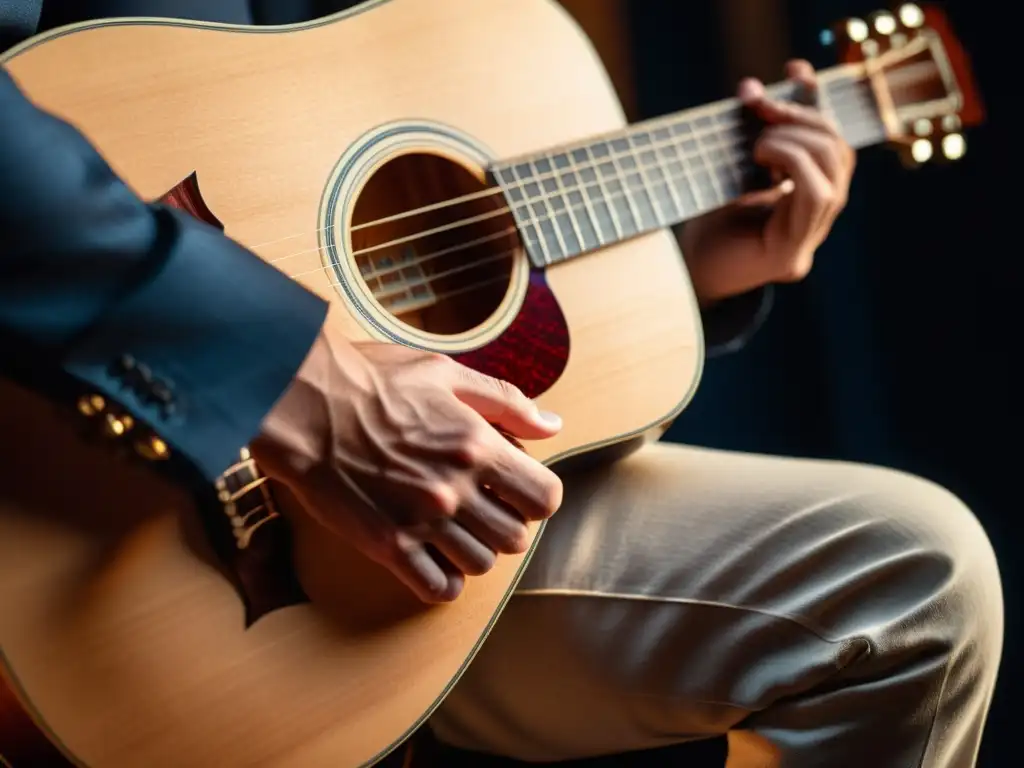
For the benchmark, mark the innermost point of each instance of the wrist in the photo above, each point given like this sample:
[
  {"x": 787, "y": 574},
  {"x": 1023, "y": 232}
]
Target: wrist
[{"x": 296, "y": 434}]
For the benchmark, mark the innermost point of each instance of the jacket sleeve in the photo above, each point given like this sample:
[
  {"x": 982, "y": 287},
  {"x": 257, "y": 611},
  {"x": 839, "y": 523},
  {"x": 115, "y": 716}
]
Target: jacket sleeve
[
  {"x": 138, "y": 304},
  {"x": 732, "y": 322}
]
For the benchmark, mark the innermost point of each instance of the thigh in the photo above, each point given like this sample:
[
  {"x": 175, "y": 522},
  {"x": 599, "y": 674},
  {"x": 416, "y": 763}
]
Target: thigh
[{"x": 682, "y": 589}]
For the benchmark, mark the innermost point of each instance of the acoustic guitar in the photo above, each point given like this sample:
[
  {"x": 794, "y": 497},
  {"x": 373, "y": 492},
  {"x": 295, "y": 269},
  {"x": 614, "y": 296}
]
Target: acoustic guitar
[{"x": 452, "y": 175}]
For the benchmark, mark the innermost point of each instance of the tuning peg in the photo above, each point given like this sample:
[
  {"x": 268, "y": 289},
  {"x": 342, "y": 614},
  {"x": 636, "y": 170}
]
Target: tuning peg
[
  {"x": 921, "y": 151},
  {"x": 857, "y": 30},
  {"x": 951, "y": 123},
  {"x": 923, "y": 127},
  {"x": 884, "y": 23},
  {"x": 953, "y": 146},
  {"x": 911, "y": 15}
]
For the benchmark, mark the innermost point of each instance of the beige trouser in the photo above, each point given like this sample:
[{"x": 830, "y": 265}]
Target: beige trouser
[{"x": 824, "y": 614}]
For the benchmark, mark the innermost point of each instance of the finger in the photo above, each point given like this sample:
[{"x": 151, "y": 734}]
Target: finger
[
  {"x": 495, "y": 523},
  {"x": 464, "y": 550},
  {"x": 802, "y": 71},
  {"x": 774, "y": 111},
  {"x": 411, "y": 562},
  {"x": 504, "y": 405},
  {"x": 811, "y": 189},
  {"x": 825, "y": 150},
  {"x": 532, "y": 489}
]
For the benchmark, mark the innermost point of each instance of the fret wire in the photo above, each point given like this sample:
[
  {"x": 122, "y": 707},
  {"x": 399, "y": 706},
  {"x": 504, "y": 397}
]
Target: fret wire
[
  {"x": 564, "y": 194},
  {"x": 721, "y": 134},
  {"x": 734, "y": 171},
  {"x": 544, "y": 200},
  {"x": 663, "y": 167},
  {"x": 592, "y": 223},
  {"x": 532, "y": 220},
  {"x": 627, "y": 174},
  {"x": 705, "y": 163},
  {"x": 687, "y": 176},
  {"x": 588, "y": 206},
  {"x": 646, "y": 179},
  {"x": 733, "y": 158},
  {"x": 859, "y": 87},
  {"x": 684, "y": 164},
  {"x": 616, "y": 223},
  {"x": 619, "y": 178},
  {"x": 595, "y": 195}
]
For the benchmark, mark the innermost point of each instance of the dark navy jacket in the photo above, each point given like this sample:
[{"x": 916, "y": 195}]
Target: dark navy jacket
[{"x": 96, "y": 284}]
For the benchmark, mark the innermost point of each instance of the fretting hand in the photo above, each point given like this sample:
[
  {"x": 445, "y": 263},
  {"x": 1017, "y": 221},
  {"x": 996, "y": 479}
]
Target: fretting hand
[
  {"x": 771, "y": 237},
  {"x": 394, "y": 450}
]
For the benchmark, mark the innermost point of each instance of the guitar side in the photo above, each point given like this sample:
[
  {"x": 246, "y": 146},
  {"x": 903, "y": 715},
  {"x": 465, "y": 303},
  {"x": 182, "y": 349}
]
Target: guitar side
[{"x": 118, "y": 630}]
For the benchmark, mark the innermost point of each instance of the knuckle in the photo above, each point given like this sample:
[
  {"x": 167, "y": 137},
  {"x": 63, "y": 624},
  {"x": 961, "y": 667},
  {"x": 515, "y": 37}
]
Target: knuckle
[
  {"x": 510, "y": 392},
  {"x": 437, "y": 360},
  {"x": 394, "y": 548},
  {"x": 442, "y": 499},
  {"x": 472, "y": 449},
  {"x": 798, "y": 268}
]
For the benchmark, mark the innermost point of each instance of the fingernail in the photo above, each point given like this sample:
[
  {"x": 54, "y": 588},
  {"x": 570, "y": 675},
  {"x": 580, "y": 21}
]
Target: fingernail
[{"x": 549, "y": 418}]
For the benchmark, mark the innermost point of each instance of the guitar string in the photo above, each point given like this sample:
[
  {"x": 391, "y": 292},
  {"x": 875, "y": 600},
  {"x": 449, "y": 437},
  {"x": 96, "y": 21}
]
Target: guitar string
[
  {"x": 730, "y": 162},
  {"x": 686, "y": 176},
  {"x": 836, "y": 101},
  {"x": 830, "y": 84},
  {"x": 718, "y": 132},
  {"x": 437, "y": 298}
]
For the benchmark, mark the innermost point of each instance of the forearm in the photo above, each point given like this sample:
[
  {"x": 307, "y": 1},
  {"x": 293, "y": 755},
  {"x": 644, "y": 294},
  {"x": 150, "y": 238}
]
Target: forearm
[{"x": 101, "y": 292}]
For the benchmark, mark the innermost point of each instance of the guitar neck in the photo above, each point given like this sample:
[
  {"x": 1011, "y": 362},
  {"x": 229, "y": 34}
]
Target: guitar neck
[{"x": 574, "y": 199}]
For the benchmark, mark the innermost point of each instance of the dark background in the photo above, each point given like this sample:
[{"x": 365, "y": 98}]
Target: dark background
[{"x": 897, "y": 349}]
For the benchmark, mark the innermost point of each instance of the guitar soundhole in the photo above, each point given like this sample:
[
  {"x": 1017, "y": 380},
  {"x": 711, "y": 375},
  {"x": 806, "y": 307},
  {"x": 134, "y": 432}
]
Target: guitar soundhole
[{"x": 433, "y": 244}]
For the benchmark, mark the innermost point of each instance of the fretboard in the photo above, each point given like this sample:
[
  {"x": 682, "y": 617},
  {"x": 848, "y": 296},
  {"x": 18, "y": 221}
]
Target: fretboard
[{"x": 659, "y": 173}]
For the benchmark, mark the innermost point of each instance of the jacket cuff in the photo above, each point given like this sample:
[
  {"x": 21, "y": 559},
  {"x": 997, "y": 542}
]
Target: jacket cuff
[
  {"x": 731, "y": 323},
  {"x": 202, "y": 350}
]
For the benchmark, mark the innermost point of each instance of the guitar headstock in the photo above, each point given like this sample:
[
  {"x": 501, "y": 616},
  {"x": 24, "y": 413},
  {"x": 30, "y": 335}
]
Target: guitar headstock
[{"x": 920, "y": 77}]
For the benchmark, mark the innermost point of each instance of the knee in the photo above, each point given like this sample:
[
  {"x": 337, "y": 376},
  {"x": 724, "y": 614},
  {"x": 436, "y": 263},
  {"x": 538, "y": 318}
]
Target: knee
[{"x": 931, "y": 556}]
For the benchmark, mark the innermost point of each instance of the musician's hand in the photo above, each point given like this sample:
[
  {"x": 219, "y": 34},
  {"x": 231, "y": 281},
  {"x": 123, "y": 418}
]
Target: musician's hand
[
  {"x": 772, "y": 236},
  {"x": 393, "y": 449}
]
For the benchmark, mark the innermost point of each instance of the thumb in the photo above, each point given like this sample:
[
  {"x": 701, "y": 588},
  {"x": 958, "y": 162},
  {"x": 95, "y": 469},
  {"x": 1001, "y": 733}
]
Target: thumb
[{"x": 504, "y": 405}]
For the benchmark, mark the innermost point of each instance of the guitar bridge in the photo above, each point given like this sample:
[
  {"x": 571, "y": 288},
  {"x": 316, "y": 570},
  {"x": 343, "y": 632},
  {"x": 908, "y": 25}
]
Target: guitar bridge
[{"x": 246, "y": 499}]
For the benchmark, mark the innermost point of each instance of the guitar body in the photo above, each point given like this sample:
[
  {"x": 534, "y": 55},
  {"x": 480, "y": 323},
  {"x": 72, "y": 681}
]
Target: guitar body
[{"x": 121, "y": 638}]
